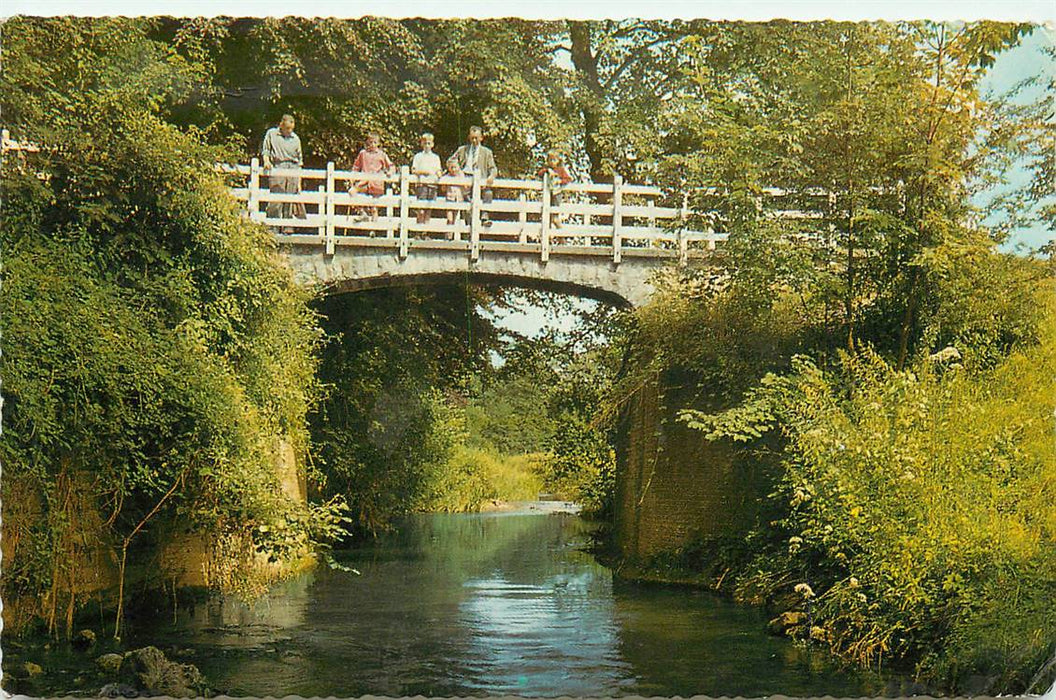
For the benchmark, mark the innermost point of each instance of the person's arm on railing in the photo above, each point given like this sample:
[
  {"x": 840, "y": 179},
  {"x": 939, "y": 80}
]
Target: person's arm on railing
[
  {"x": 492, "y": 170},
  {"x": 265, "y": 149}
]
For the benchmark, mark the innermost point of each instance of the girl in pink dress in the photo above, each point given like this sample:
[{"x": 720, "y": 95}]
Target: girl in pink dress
[{"x": 372, "y": 160}]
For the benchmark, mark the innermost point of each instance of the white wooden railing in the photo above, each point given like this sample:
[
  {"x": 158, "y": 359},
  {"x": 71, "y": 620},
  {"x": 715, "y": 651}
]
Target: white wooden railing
[{"x": 610, "y": 221}]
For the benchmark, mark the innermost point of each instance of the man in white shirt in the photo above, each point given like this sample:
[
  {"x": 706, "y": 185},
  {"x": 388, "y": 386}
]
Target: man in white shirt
[{"x": 426, "y": 165}]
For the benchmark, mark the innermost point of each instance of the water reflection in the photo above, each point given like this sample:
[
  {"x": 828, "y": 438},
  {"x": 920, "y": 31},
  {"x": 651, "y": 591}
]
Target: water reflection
[{"x": 490, "y": 604}]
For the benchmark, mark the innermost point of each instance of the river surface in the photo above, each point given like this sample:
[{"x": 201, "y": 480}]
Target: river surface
[{"x": 488, "y": 604}]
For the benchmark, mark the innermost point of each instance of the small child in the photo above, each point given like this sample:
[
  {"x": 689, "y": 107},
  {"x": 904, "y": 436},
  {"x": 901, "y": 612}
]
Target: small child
[
  {"x": 425, "y": 164},
  {"x": 372, "y": 160},
  {"x": 559, "y": 177},
  {"x": 454, "y": 193}
]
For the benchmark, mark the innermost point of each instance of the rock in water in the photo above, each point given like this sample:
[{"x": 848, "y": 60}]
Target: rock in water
[
  {"x": 118, "y": 690},
  {"x": 150, "y": 672},
  {"x": 109, "y": 663},
  {"x": 84, "y": 640},
  {"x": 786, "y": 621}
]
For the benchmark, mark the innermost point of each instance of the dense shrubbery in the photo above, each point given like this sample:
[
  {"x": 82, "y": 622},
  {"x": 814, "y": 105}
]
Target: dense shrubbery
[
  {"x": 417, "y": 418},
  {"x": 393, "y": 366},
  {"x": 917, "y": 503},
  {"x": 919, "y": 506},
  {"x": 581, "y": 462},
  {"x": 545, "y": 399},
  {"x": 581, "y": 465},
  {"x": 156, "y": 353}
]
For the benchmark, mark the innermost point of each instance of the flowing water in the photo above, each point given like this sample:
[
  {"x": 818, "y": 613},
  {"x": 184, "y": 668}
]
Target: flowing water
[{"x": 488, "y": 604}]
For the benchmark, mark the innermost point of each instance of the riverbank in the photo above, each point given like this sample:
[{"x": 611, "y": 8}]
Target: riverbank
[
  {"x": 184, "y": 563},
  {"x": 790, "y": 609},
  {"x": 530, "y": 507},
  {"x": 87, "y": 666}
]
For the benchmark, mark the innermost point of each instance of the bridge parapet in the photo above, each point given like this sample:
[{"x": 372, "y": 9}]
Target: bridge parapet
[{"x": 608, "y": 221}]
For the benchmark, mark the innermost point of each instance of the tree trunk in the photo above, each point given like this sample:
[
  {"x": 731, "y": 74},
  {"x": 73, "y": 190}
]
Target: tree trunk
[
  {"x": 907, "y": 322},
  {"x": 591, "y": 101}
]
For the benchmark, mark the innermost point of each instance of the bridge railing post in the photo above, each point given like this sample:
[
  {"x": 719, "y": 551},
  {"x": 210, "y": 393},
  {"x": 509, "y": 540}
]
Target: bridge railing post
[
  {"x": 474, "y": 219},
  {"x": 405, "y": 191},
  {"x": 253, "y": 204},
  {"x": 322, "y": 213},
  {"x": 683, "y": 242},
  {"x": 617, "y": 218},
  {"x": 544, "y": 237},
  {"x": 390, "y": 230},
  {"x": 328, "y": 214},
  {"x": 522, "y": 217}
]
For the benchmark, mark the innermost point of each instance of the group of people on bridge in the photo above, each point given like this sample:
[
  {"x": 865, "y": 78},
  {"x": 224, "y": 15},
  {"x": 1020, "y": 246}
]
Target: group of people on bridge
[{"x": 281, "y": 150}]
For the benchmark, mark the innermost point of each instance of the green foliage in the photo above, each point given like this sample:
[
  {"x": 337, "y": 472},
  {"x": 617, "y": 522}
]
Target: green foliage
[
  {"x": 393, "y": 364},
  {"x": 908, "y": 499},
  {"x": 581, "y": 465},
  {"x": 342, "y": 78},
  {"x": 510, "y": 413},
  {"x": 460, "y": 484},
  {"x": 581, "y": 462},
  {"x": 518, "y": 477},
  {"x": 876, "y": 127},
  {"x": 471, "y": 477},
  {"x": 156, "y": 353},
  {"x": 918, "y": 503}
]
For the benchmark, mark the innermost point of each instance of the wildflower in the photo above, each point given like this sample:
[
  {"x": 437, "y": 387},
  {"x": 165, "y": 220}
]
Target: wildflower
[
  {"x": 947, "y": 354},
  {"x": 854, "y": 582},
  {"x": 804, "y": 590},
  {"x": 861, "y": 597}
]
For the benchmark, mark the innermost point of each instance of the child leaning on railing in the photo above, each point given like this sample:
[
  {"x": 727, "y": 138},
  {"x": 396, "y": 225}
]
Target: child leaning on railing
[
  {"x": 559, "y": 177},
  {"x": 454, "y": 193}
]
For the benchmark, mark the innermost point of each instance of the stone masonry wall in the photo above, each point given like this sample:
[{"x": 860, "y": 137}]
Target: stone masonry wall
[{"x": 672, "y": 485}]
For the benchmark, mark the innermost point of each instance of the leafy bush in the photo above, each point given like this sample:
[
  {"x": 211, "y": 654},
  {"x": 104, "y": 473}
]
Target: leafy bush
[
  {"x": 156, "y": 351},
  {"x": 581, "y": 465},
  {"x": 920, "y": 506}
]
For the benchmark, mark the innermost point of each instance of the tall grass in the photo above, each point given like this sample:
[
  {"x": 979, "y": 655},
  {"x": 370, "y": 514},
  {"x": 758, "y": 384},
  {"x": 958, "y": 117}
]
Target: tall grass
[{"x": 472, "y": 477}]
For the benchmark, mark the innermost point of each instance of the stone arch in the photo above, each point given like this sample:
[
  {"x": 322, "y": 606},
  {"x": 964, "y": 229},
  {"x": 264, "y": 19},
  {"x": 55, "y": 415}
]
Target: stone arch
[
  {"x": 359, "y": 267},
  {"x": 482, "y": 278}
]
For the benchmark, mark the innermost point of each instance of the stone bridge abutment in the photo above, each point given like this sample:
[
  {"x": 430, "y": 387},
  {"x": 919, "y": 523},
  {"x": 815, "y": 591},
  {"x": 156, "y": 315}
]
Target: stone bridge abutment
[{"x": 673, "y": 487}]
